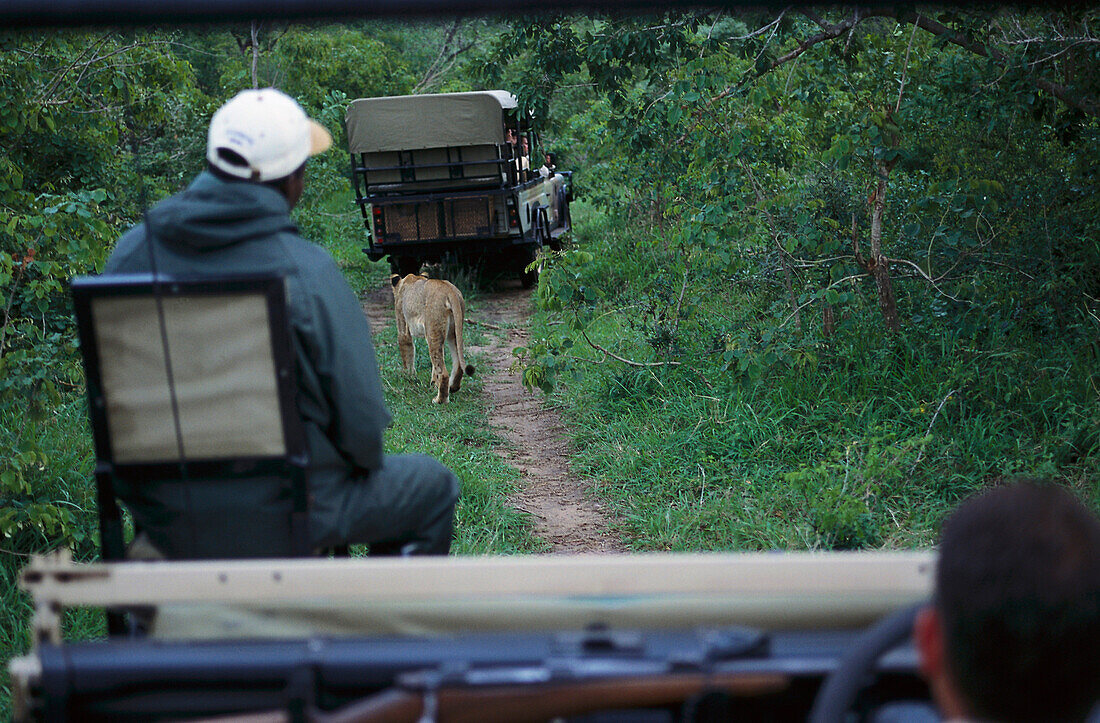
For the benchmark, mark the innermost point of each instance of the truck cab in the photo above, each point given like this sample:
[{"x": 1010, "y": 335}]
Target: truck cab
[{"x": 454, "y": 175}]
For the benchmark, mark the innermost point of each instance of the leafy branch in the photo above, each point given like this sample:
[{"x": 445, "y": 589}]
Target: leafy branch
[
  {"x": 446, "y": 58},
  {"x": 1082, "y": 102},
  {"x": 624, "y": 360}
]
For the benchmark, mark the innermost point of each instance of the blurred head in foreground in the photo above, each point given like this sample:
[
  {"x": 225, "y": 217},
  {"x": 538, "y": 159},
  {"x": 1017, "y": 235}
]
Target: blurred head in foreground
[{"x": 1014, "y": 631}]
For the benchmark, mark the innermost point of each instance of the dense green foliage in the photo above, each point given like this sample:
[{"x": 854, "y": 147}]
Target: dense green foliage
[
  {"x": 97, "y": 126},
  {"x": 826, "y": 289},
  {"x": 861, "y": 440},
  {"x": 832, "y": 273}
]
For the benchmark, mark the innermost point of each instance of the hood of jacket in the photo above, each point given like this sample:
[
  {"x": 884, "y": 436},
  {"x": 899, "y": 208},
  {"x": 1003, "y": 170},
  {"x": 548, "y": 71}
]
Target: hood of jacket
[{"x": 213, "y": 214}]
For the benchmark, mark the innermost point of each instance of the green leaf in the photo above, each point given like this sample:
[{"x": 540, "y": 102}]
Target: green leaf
[{"x": 733, "y": 144}]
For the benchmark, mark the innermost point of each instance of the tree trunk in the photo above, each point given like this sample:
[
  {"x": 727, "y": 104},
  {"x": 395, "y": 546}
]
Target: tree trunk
[
  {"x": 659, "y": 205},
  {"x": 828, "y": 319},
  {"x": 789, "y": 284},
  {"x": 255, "y": 54},
  {"x": 880, "y": 270}
]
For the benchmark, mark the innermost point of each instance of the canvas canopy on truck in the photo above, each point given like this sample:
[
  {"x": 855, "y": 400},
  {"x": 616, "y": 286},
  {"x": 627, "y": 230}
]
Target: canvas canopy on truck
[{"x": 412, "y": 122}]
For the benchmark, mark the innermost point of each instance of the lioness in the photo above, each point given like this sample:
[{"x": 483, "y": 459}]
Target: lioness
[{"x": 434, "y": 310}]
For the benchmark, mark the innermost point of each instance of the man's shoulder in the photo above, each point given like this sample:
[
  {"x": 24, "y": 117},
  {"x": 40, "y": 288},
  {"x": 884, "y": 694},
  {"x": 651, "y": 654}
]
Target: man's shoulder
[
  {"x": 310, "y": 258},
  {"x": 121, "y": 258},
  {"x": 314, "y": 274}
]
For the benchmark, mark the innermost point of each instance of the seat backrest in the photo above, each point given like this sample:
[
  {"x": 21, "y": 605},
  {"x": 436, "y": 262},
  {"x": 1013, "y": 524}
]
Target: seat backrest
[{"x": 192, "y": 400}]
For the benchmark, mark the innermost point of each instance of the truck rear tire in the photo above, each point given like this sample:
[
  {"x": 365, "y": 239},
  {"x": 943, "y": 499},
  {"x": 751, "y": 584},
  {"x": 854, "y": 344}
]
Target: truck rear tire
[
  {"x": 527, "y": 279},
  {"x": 404, "y": 265}
]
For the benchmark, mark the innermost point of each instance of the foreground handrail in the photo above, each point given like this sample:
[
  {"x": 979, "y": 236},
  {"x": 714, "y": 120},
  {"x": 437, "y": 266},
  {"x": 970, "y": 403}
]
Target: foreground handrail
[{"x": 442, "y": 595}]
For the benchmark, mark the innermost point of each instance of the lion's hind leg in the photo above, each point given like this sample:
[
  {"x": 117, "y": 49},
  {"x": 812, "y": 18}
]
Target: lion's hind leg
[
  {"x": 456, "y": 356},
  {"x": 408, "y": 352},
  {"x": 435, "y": 338}
]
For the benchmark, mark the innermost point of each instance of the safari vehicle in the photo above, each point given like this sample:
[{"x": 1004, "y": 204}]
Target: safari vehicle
[
  {"x": 446, "y": 175},
  {"x": 591, "y": 638}
]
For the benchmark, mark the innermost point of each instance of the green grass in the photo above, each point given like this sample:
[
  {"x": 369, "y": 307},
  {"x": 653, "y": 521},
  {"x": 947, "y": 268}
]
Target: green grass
[
  {"x": 64, "y": 482},
  {"x": 837, "y": 445},
  {"x": 457, "y": 433}
]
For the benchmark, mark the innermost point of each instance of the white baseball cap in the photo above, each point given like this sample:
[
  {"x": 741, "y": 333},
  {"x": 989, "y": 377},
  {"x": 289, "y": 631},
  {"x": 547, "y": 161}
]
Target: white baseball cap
[{"x": 263, "y": 135}]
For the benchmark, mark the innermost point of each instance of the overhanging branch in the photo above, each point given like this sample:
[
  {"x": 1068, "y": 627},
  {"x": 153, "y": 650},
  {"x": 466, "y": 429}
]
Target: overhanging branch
[{"x": 1085, "y": 104}]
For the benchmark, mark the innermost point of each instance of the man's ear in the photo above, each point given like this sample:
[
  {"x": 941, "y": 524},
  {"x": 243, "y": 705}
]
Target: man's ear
[
  {"x": 929, "y": 640},
  {"x": 395, "y": 279}
]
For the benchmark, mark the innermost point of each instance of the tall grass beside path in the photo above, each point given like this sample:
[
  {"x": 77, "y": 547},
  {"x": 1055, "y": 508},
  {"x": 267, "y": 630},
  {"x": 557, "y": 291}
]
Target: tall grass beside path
[
  {"x": 859, "y": 441},
  {"x": 57, "y": 506}
]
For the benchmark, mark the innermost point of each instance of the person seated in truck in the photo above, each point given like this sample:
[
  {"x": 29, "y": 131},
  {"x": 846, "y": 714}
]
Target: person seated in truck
[
  {"x": 511, "y": 139},
  {"x": 520, "y": 150},
  {"x": 235, "y": 218},
  {"x": 1013, "y": 633},
  {"x": 524, "y": 162},
  {"x": 549, "y": 166}
]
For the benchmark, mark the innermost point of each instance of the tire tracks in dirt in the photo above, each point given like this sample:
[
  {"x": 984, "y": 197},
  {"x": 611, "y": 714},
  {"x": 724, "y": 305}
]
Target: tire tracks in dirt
[{"x": 537, "y": 445}]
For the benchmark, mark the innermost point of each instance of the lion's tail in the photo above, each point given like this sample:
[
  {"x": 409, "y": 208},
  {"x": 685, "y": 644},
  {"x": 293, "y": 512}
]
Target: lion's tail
[{"x": 457, "y": 316}]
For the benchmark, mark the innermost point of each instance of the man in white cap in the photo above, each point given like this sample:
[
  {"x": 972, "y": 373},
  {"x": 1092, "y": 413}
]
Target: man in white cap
[{"x": 235, "y": 218}]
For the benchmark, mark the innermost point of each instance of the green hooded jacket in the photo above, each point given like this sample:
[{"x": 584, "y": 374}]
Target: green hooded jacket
[{"x": 223, "y": 227}]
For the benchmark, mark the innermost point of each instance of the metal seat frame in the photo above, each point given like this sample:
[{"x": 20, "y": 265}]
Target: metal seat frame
[{"x": 291, "y": 465}]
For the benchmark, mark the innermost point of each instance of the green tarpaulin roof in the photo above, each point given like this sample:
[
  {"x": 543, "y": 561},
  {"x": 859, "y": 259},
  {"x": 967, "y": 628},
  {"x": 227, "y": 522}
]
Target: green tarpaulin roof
[{"x": 411, "y": 122}]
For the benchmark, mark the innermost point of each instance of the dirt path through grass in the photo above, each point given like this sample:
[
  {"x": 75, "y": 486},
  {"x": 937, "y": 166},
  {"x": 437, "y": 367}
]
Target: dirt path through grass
[{"x": 537, "y": 445}]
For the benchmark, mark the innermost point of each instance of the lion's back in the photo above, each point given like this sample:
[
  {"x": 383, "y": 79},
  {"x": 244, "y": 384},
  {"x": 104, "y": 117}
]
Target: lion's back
[
  {"x": 441, "y": 296},
  {"x": 427, "y": 303}
]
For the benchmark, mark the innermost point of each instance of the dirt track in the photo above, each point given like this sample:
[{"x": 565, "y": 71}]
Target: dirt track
[{"x": 537, "y": 444}]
